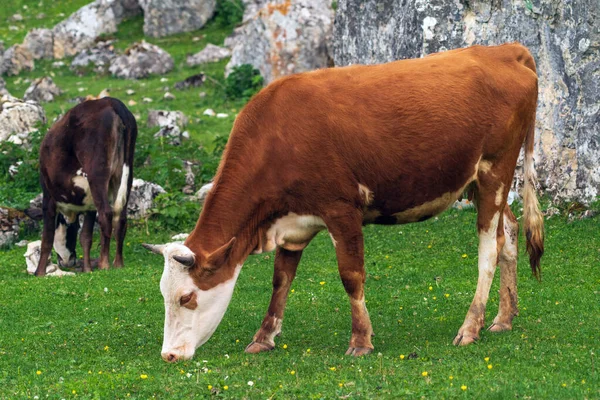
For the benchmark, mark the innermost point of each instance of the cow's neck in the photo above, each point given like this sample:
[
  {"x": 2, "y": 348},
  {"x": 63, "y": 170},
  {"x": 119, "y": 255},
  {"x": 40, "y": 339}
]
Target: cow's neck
[{"x": 228, "y": 212}]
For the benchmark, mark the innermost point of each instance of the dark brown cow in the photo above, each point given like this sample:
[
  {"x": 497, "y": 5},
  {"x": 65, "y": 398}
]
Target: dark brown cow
[
  {"x": 86, "y": 166},
  {"x": 339, "y": 148}
]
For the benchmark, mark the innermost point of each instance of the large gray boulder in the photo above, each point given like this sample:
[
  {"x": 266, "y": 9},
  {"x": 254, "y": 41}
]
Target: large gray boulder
[
  {"x": 141, "y": 60},
  {"x": 162, "y": 118},
  {"x": 168, "y": 17},
  {"x": 40, "y": 43},
  {"x": 42, "y": 90},
  {"x": 283, "y": 37},
  {"x": 12, "y": 221},
  {"x": 17, "y": 58},
  {"x": 562, "y": 36},
  {"x": 19, "y": 118},
  {"x": 81, "y": 29}
]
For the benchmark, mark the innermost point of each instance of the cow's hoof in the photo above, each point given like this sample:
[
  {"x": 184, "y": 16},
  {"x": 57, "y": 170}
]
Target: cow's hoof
[
  {"x": 464, "y": 339},
  {"x": 358, "y": 351},
  {"x": 499, "y": 327},
  {"x": 258, "y": 347}
]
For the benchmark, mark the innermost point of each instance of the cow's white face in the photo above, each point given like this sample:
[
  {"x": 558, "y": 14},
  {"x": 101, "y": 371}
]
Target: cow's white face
[{"x": 191, "y": 314}]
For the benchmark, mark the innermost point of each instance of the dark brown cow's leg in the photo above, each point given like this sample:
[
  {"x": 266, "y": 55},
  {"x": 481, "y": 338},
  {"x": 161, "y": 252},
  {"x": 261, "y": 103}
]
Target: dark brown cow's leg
[
  {"x": 508, "y": 275},
  {"x": 286, "y": 263},
  {"x": 345, "y": 228},
  {"x": 105, "y": 219},
  {"x": 87, "y": 233},
  {"x": 491, "y": 197},
  {"x": 120, "y": 231},
  {"x": 49, "y": 215}
]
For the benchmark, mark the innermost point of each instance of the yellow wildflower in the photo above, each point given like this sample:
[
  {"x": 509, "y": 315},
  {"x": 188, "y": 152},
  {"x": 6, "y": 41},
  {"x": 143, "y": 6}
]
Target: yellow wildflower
[
  {"x": 464, "y": 387},
  {"x": 38, "y": 372},
  {"x": 490, "y": 366},
  {"x": 285, "y": 346},
  {"x": 225, "y": 387},
  {"x": 464, "y": 255},
  {"x": 209, "y": 387},
  {"x": 430, "y": 287},
  {"x": 486, "y": 359},
  {"x": 144, "y": 376},
  {"x": 424, "y": 373},
  {"x": 293, "y": 372},
  {"x": 322, "y": 283},
  {"x": 402, "y": 356},
  {"x": 451, "y": 377},
  {"x": 447, "y": 295},
  {"x": 332, "y": 368}
]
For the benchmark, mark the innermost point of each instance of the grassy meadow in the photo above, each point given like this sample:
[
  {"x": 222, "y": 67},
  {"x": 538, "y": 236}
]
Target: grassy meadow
[{"x": 99, "y": 335}]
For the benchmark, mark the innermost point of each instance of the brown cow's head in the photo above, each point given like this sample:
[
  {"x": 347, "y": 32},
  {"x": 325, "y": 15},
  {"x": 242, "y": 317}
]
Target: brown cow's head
[{"x": 191, "y": 313}]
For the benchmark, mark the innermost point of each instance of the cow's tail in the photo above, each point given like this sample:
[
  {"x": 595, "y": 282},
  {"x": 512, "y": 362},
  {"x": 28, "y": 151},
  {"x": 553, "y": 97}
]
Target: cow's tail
[{"x": 533, "y": 220}]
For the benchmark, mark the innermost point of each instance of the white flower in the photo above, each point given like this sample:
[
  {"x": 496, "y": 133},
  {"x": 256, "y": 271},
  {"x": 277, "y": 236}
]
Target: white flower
[
  {"x": 188, "y": 375},
  {"x": 250, "y": 383},
  {"x": 105, "y": 290}
]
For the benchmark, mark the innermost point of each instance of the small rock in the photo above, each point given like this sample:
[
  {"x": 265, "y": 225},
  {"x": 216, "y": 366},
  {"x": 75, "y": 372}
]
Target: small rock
[
  {"x": 163, "y": 79},
  {"x": 99, "y": 57},
  {"x": 210, "y": 112},
  {"x": 165, "y": 118},
  {"x": 13, "y": 28},
  {"x": 16, "y": 18},
  {"x": 130, "y": 92},
  {"x": 141, "y": 60},
  {"x": 180, "y": 236},
  {"x": 17, "y": 58},
  {"x": 18, "y": 117},
  {"x": 588, "y": 214},
  {"x": 463, "y": 204},
  {"x": 58, "y": 64},
  {"x": 41, "y": 16},
  {"x": 164, "y": 18},
  {"x": 172, "y": 133},
  {"x": 222, "y": 115},
  {"x": 203, "y": 192},
  {"x": 551, "y": 211},
  {"x": 40, "y": 43},
  {"x": 141, "y": 199},
  {"x": 169, "y": 96},
  {"x": 191, "y": 81},
  {"x": 210, "y": 53},
  {"x": 202, "y": 95},
  {"x": 42, "y": 90},
  {"x": 22, "y": 243},
  {"x": 131, "y": 102},
  {"x": 32, "y": 259},
  {"x": 147, "y": 100}
]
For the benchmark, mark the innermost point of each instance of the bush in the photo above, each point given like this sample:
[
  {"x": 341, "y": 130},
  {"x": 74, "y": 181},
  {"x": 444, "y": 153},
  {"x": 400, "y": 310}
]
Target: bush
[
  {"x": 229, "y": 13},
  {"x": 243, "y": 82}
]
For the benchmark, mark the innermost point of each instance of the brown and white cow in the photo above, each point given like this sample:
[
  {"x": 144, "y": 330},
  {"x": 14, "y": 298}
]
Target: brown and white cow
[
  {"x": 339, "y": 148},
  {"x": 86, "y": 166}
]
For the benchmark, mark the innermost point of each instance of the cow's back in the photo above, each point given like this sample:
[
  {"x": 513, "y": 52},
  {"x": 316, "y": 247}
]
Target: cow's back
[{"x": 407, "y": 130}]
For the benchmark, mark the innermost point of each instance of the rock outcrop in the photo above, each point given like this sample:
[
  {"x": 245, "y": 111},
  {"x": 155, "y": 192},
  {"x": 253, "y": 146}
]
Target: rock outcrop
[
  {"x": 563, "y": 37},
  {"x": 12, "y": 221},
  {"x": 80, "y": 30},
  {"x": 283, "y": 37},
  {"x": 3, "y": 89},
  {"x": 141, "y": 60},
  {"x": 42, "y": 90},
  {"x": 167, "y": 17},
  {"x": 162, "y": 118},
  {"x": 18, "y": 118}
]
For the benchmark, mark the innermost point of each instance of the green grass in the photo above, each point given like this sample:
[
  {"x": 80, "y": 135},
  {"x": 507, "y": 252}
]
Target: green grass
[
  {"x": 99, "y": 342},
  {"x": 96, "y": 335}
]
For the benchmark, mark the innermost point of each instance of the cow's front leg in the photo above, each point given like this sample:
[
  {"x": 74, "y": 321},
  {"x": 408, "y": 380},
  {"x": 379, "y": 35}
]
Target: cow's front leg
[
  {"x": 105, "y": 219},
  {"x": 346, "y": 230},
  {"x": 491, "y": 239},
  {"x": 286, "y": 263},
  {"x": 85, "y": 238}
]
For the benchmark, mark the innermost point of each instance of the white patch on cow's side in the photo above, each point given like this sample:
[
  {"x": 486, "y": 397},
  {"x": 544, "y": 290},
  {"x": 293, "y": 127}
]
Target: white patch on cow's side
[
  {"x": 293, "y": 232},
  {"x": 82, "y": 183},
  {"x": 499, "y": 194},
  {"x": 366, "y": 194},
  {"x": 60, "y": 242},
  {"x": 121, "y": 198},
  {"x": 185, "y": 330}
]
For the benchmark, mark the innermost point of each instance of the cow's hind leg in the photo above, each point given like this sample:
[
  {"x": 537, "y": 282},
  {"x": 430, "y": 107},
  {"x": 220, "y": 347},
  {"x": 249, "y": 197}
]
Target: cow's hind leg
[
  {"x": 508, "y": 274},
  {"x": 490, "y": 199},
  {"x": 105, "y": 219},
  {"x": 345, "y": 228},
  {"x": 120, "y": 231},
  {"x": 85, "y": 238},
  {"x": 286, "y": 263},
  {"x": 49, "y": 215}
]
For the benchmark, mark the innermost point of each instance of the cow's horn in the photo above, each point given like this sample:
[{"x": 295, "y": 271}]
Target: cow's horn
[
  {"x": 155, "y": 248},
  {"x": 187, "y": 261}
]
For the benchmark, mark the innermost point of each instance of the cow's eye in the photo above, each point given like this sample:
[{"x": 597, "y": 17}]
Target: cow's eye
[{"x": 185, "y": 299}]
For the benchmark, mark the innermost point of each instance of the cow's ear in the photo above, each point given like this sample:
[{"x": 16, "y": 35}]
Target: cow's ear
[
  {"x": 155, "y": 248},
  {"x": 219, "y": 256}
]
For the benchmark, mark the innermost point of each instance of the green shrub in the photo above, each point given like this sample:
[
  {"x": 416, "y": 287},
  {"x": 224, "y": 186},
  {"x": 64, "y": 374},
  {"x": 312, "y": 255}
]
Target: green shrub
[
  {"x": 243, "y": 82},
  {"x": 17, "y": 190},
  {"x": 229, "y": 13},
  {"x": 172, "y": 211}
]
